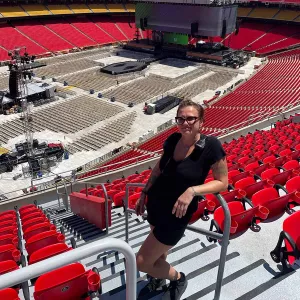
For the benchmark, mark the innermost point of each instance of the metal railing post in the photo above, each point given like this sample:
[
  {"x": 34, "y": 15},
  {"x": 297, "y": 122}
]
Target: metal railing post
[{"x": 47, "y": 265}]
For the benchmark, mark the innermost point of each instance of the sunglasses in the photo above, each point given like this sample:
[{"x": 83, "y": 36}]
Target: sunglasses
[{"x": 189, "y": 120}]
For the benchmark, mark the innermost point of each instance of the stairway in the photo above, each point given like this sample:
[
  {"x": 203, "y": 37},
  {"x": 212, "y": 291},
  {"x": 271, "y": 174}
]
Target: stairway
[{"x": 246, "y": 276}]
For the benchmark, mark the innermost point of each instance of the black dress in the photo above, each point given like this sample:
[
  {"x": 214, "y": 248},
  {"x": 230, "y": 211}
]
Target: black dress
[{"x": 175, "y": 178}]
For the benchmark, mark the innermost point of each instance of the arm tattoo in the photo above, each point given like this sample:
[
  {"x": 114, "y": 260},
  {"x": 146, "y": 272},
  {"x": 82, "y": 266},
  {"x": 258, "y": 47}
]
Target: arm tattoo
[{"x": 220, "y": 168}]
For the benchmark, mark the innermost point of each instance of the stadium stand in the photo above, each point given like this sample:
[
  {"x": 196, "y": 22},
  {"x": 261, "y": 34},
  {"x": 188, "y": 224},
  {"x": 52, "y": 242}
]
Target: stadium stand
[
  {"x": 10, "y": 37},
  {"x": 130, "y": 7},
  {"x": 286, "y": 15},
  {"x": 98, "y": 8},
  {"x": 12, "y": 11},
  {"x": 112, "y": 132},
  {"x": 127, "y": 26},
  {"x": 59, "y": 9},
  {"x": 244, "y": 11},
  {"x": 116, "y": 8},
  {"x": 91, "y": 30},
  {"x": 36, "y": 10},
  {"x": 107, "y": 24},
  {"x": 69, "y": 32},
  {"x": 263, "y": 13},
  {"x": 79, "y": 9},
  {"x": 42, "y": 35}
]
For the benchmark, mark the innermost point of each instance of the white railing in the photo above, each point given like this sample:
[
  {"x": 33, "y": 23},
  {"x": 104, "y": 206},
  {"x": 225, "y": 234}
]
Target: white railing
[{"x": 37, "y": 269}]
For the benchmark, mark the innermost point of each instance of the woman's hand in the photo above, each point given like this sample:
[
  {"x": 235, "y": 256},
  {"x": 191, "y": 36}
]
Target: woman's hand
[
  {"x": 183, "y": 202},
  {"x": 140, "y": 205}
]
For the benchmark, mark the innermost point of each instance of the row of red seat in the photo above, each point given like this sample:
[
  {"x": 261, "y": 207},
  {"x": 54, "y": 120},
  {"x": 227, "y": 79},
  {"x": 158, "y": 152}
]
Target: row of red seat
[
  {"x": 59, "y": 34},
  {"x": 42, "y": 241}
]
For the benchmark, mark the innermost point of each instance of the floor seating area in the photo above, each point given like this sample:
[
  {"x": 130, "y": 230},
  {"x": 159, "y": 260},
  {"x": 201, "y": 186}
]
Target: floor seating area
[
  {"x": 69, "y": 116},
  {"x": 114, "y": 131},
  {"x": 27, "y": 236}
]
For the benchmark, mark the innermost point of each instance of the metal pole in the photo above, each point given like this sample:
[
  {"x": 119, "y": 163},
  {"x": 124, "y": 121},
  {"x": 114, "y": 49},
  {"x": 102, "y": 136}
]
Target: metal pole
[
  {"x": 37, "y": 269},
  {"x": 127, "y": 210},
  {"x": 106, "y": 206},
  {"x": 225, "y": 241}
]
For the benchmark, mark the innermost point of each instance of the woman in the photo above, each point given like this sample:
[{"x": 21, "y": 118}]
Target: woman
[{"x": 175, "y": 181}]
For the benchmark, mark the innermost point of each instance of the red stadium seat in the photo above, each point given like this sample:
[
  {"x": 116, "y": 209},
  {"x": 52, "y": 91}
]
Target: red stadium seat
[
  {"x": 119, "y": 197},
  {"x": 9, "y": 294},
  {"x": 271, "y": 199},
  {"x": 7, "y": 239},
  {"x": 250, "y": 186},
  {"x": 26, "y": 207},
  {"x": 9, "y": 252},
  {"x": 6, "y": 223},
  {"x": 33, "y": 221},
  {"x": 293, "y": 185},
  {"x": 204, "y": 206},
  {"x": 8, "y": 266},
  {"x": 29, "y": 210},
  {"x": 32, "y": 215},
  {"x": 241, "y": 218},
  {"x": 37, "y": 228},
  {"x": 9, "y": 230},
  {"x": 291, "y": 165},
  {"x": 6, "y": 216},
  {"x": 47, "y": 252},
  {"x": 278, "y": 177},
  {"x": 290, "y": 236},
  {"x": 233, "y": 179},
  {"x": 256, "y": 168},
  {"x": 43, "y": 239},
  {"x": 132, "y": 200},
  {"x": 66, "y": 283}
]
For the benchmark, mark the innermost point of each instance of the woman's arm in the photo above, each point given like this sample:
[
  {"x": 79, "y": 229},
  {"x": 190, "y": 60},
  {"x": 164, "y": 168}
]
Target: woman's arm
[{"x": 219, "y": 184}]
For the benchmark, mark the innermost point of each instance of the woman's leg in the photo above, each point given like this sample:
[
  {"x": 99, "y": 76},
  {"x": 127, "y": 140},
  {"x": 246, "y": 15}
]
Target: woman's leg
[
  {"x": 150, "y": 259},
  {"x": 164, "y": 255}
]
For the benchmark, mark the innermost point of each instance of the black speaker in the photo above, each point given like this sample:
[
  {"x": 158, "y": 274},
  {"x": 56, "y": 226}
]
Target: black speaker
[
  {"x": 14, "y": 82},
  {"x": 194, "y": 28},
  {"x": 224, "y": 27},
  {"x": 145, "y": 22},
  {"x": 142, "y": 23}
]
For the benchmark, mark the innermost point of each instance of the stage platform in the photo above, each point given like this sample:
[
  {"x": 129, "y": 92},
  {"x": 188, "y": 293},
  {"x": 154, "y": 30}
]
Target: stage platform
[{"x": 124, "y": 67}]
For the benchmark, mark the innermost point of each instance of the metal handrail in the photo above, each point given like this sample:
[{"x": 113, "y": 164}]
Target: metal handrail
[
  {"x": 224, "y": 237},
  {"x": 86, "y": 184},
  {"x": 39, "y": 268}
]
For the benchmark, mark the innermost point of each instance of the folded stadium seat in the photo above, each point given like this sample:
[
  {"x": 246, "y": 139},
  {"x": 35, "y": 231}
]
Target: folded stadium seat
[
  {"x": 146, "y": 172},
  {"x": 8, "y": 266},
  {"x": 28, "y": 211},
  {"x": 7, "y": 239},
  {"x": 133, "y": 176},
  {"x": 8, "y": 216},
  {"x": 257, "y": 168},
  {"x": 234, "y": 195},
  {"x": 295, "y": 155},
  {"x": 204, "y": 207},
  {"x": 9, "y": 252},
  {"x": 231, "y": 157},
  {"x": 245, "y": 160},
  {"x": 26, "y": 207},
  {"x": 98, "y": 193},
  {"x": 291, "y": 165},
  {"x": 111, "y": 193},
  {"x": 234, "y": 178},
  {"x": 119, "y": 197},
  {"x": 7, "y": 223},
  {"x": 293, "y": 185},
  {"x": 138, "y": 179},
  {"x": 278, "y": 177},
  {"x": 250, "y": 186},
  {"x": 119, "y": 186},
  {"x": 290, "y": 237},
  {"x": 241, "y": 218},
  {"x": 271, "y": 199},
  {"x": 37, "y": 228},
  {"x": 32, "y": 215},
  {"x": 66, "y": 283},
  {"x": 133, "y": 199},
  {"x": 47, "y": 252},
  {"x": 9, "y": 294},
  {"x": 285, "y": 152},
  {"x": 43, "y": 239},
  {"x": 117, "y": 181},
  {"x": 9, "y": 230},
  {"x": 34, "y": 221}
]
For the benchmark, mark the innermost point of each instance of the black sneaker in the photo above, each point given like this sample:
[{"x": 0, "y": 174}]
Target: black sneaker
[
  {"x": 151, "y": 286},
  {"x": 176, "y": 289}
]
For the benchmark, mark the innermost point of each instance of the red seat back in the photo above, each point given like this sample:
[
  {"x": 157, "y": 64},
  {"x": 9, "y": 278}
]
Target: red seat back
[
  {"x": 43, "y": 239},
  {"x": 7, "y": 266},
  {"x": 9, "y": 252},
  {"x": 9, "y": 294},
  {"x": 47, "y": 252},
  {"x": 290, "y": 165},
  {"x": 38, "y": 228},
  {"x": 32, "y": 215},
  {"x": 9, "y": 239},
  {"x": 291, "y": 225},
  {"x": 33, "y": 221},
  {"x": 293, "y": 185},
  {"x": 66, "y": 283}
]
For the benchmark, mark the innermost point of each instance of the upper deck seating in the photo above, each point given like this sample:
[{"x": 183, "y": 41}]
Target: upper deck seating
[
  {"x": 80, "y": 8},
  {"x": 59, "y": 9},
  {"x": 98, "y": 8},
  {"x": 36, "y": 10},
  {"x": 12, "y": 11},
  {"x": 116, "y": 8}
]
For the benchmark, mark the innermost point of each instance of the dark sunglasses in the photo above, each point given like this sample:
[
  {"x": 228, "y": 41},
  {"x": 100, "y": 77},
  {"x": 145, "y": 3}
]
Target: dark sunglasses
[{"x": 189, "y": 120}]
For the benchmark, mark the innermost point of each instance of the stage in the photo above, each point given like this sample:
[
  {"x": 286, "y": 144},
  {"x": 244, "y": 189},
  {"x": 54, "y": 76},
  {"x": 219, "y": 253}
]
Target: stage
[{"x": 124, "y": 67}]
